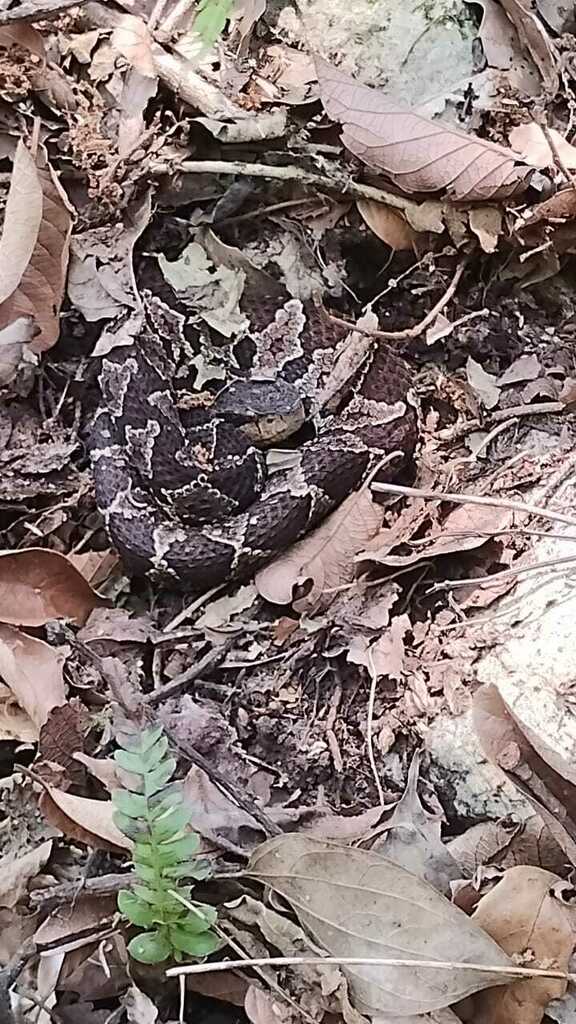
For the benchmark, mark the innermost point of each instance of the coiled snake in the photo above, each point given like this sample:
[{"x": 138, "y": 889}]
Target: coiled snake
[{"x": 184, "y": 496}]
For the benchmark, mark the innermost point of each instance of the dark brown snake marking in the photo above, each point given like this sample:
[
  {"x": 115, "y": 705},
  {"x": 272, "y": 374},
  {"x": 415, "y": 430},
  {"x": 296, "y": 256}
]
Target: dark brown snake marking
[{"x": 186, "y": 499}]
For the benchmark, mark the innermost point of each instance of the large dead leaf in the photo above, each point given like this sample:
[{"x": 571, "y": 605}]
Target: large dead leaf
[
  {"x": 536, "y": 41},
  {"x": 530, "y": 140},
  {"x": 356, "y": 903},
  {"x": 83, "y": 820},
  {"x": 325, "y": 558},
  {"x": 33, "y": 671},
  {"x": 37, "y": 585},
  {"x": 525, "y": 914},
  {"x": 541, "y": 774},
  {"x": 15, "y": 873},
  {"x": 40, "y": 256},
  {"x": 418, "y": 155},
  {"x": 22, "y": 218}
]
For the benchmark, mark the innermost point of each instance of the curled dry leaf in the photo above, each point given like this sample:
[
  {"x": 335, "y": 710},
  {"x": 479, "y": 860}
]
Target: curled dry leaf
[
  {"x": 37, "y": 585},
  {"x": 13, "y": 338},
  {"x": 387, "y": 224},
  {"x": 525, "y": 913},
  {"x": 15, "y": 873},
  {"x": 535, "y": 40},
  {"x": 530, "y": 140},
  {"x": 83, "y": 820},
  {"x": 33, "y": 280},
  {"x": 356, "y": 903},
  {"x": 324, "y": 557},
  {"x": 33, "y": 671},
  {"x": 132, "y": 39},
  {"x": 418, "y": 155},
  {"x": 541, "y": 774}
]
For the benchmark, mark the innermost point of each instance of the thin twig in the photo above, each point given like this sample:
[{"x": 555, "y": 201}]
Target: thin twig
[
  {"x": 182, "y": 681},
  {"x": 558, "y": 161},
  {"x": 436, "y": 965},
  {"x": 337, "y": 183},
  {"x": 475, "y": 499},
  {"x": 369, "y": 724},
  {"x": 495, "y": 578},
  {"x": 417, "y": 329}
]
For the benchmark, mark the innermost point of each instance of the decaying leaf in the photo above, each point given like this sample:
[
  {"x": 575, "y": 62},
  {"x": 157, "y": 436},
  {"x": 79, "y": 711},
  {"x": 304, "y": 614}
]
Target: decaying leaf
[
  {"x": 15, "y": 873},
  {"x": 387, "y": 224},
  {"x": 525, "y": 914},
  {"x": 483, "y": 384},
  {"x": 132, "y": 39},
  {"x": 536, "y": 41},
  {"x": 33, "y": 282},
  {"x": 417, "y": 154},
  {"x": 411, "y": 837},
  {"x": 325, "y": 557},
  {"x": 85, "y": 821},
  {"x": 33, "y": 671},
  {"x": 530, "y": 140},
  {"x": 356, "y": 903},
  {"x": 541, "y": 774},
  {"x": 37, "y": 585}
]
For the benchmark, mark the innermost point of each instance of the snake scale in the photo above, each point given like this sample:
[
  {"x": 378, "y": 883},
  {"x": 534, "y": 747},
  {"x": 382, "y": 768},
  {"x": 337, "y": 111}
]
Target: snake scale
[{"x": 184, "y": 494}]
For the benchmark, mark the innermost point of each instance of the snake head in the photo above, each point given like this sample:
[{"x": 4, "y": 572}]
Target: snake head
[{"x": 267, "y": 411}]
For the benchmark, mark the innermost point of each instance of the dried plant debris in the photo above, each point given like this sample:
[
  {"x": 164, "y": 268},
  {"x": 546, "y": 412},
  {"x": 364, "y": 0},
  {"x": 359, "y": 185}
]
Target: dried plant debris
[{"x": 224, "y": 672}]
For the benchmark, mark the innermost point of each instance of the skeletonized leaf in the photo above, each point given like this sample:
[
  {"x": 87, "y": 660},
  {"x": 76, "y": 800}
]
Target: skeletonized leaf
[
  {"x": 33, "y": 671},
  {"x": 325, "y": 556},
  {"x": 417, "y": 154},
  {"x": 37, "y": 585},
  {"x": 355, "y": 903}
]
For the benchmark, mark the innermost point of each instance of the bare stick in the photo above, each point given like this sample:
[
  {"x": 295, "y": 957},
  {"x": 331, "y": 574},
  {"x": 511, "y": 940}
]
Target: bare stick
[
  {"x": 338, "y": 183},
  {"x": 475, "y": 499},
  {"x": 35, "y": 10},
  {"x": 441, "y": 965}
]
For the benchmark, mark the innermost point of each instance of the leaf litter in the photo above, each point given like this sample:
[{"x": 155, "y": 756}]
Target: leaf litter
[{"x": 161, "y": 160}]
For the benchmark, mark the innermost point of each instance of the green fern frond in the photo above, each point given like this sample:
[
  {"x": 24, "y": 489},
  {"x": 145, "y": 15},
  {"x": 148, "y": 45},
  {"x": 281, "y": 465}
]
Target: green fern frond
[{"x": 150, "y": 810}]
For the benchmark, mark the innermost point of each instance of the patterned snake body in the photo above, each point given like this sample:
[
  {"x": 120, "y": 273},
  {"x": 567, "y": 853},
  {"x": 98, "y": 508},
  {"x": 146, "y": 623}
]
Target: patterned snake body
[{"x": 184, "y": 497}]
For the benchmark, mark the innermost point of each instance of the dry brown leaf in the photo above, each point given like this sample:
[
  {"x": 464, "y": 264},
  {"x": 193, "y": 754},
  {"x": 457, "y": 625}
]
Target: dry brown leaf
[
  {"x": 525, "y": 913},
  {"x": 39, "y": 288},
  {"x": 411, "y": 837},
  {"x": 137, "y": 91},
  {"x": 22, "y": 219},
  {"x": 37, "y": 585},
  {"x": 13, "y": 338},
  {"x": 15, "y": 724},
  {"x": 387, "y": 224},
  {"x": 24, "y": 35},
  {"x": 418, "y": 155},
  {"x": 325, "y": 557},
  {"x": 541, "y": 774},
  {"x": 133, "y": 40},
  {"x": 34, "y": 672},
  {"x": 15, "y": 873},
  {"x": 356, "y": 903},
  {"x": 384, "y": 656},
  {"x": 498, "y": 36},
  {"x": 507, "y": 843},
  {"x": 486, "y": 223},
  {"x": 83, "y": 820},
  {"x": 529, "y": 140},
  {"x": 536, "y": 41}
]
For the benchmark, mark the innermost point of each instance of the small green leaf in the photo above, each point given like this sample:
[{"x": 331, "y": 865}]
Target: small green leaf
[
  {"x": 211, "y": 19},
  {"x": 131, "y": 804},
  {"x": 150, "y": 948},
  {"x": 170, "y": 853},
  {"x": 146, "y": 893},
  {"x": 135, "y": 909},
  {"x": 201, "y": 919},
  {"x": 146, "y": 873},
  {"x": 158, "y": 777},
  {"x": 194, "y": 944},
  {"x": 171, "y": 823},
  {"x": 134, "y": 828}
]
